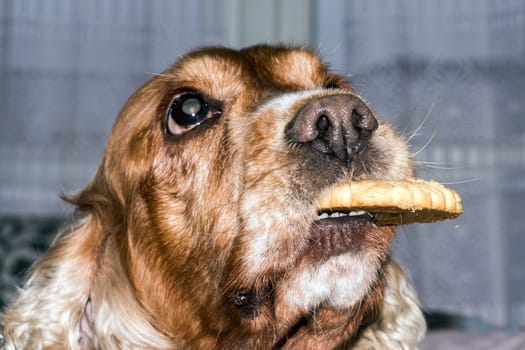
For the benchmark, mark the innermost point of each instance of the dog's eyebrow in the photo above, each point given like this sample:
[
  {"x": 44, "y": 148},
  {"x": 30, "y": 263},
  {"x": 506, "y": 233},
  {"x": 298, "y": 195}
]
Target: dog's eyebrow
[{"x": 222, "y": 78}]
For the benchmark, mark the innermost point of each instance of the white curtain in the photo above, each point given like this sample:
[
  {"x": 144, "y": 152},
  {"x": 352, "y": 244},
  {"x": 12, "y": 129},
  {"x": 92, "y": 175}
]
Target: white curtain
[
  {"x": 66, "y": 68},
  {"x": 457, "y": 69}
]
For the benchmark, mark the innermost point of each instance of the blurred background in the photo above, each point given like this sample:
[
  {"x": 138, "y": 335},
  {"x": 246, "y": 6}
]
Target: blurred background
[{"x": 449, "y": 74}]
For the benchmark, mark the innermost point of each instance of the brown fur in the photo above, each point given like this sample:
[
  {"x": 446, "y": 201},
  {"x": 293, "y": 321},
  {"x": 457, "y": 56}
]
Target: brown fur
[{"x": 167, "y": 250}]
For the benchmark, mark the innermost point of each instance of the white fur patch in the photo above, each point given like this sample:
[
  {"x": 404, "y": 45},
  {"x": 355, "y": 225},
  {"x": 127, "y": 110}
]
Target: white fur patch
[
  {"x": 261, "y": 221},
  {"x": 283, "y": 103},
  {"x": 261, "y": 225},
  {"x": 340, "y": 282}
]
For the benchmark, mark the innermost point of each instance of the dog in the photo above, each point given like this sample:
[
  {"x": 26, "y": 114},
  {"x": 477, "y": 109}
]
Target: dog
[{"x": 200, "y": 228}]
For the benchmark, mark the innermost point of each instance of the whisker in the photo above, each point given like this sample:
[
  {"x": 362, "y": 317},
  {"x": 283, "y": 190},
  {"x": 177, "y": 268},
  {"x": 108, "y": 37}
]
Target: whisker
[
  {"x": 423, "y": 122},
  {"x": 395, "y": 117},
  {"x": 330, "y": 52},
  {"x": 461, "y": 182},
  {"x": 405, "y": 232},
  {"x": 439, "y": 167},
  {"x": 315, "y": 322},
  {"x": 427, "y": 162},
  {"x": 336, "y": 48},
  {"x": 413, "y": 155},
  {"x": 162, "y": 75}
]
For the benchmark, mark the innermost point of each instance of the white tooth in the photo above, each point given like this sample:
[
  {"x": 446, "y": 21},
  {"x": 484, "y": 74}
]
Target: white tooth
[
  {"x": 322, "y": 216},
  {"x": 337, "y": 214}
]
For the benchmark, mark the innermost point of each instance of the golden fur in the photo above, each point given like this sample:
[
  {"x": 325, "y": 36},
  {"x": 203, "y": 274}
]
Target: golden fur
[{"x": 201, "y": 238}]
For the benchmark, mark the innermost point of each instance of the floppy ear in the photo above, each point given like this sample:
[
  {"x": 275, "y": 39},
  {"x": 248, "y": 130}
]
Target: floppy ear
[
  {"x": 401, "y": 323},
  {"x": 49, "y": 308},
  {"x": 79, "y": 297}
]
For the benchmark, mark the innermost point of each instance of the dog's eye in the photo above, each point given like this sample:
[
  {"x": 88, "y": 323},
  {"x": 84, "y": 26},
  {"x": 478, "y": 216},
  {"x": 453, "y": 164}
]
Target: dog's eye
[{"x": 187, "y": 111}]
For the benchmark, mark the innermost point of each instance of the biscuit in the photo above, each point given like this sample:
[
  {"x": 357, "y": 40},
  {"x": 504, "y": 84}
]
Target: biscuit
[{"x": 395, "y": 202}]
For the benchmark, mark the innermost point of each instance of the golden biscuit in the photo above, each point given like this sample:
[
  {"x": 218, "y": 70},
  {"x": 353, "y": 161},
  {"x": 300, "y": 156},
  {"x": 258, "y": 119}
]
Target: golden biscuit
[{"x": 395, "y": 202}]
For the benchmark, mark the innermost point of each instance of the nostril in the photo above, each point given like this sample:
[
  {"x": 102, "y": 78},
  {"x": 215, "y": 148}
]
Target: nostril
[
  {"x": 323, "y": 124},
  {"x": 364, "y": 122}
]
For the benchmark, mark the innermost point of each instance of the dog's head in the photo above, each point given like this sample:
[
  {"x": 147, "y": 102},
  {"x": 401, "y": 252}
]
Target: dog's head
[
  {"x": 207, "y": 198},
  {"x": 213, "y": 171}
]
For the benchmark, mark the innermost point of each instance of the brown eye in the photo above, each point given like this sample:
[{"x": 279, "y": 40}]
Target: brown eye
[{"x": 185, "y": 112}]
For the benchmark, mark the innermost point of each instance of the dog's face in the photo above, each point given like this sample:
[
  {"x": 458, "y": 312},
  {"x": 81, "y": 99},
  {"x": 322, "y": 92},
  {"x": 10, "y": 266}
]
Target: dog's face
[{"x": 213, "y": 173}]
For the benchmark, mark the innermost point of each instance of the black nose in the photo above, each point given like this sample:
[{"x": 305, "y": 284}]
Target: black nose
[{"x": 338, "y": 125}]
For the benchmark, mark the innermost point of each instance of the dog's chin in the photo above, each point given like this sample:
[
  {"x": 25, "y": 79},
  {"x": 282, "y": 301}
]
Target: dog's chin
[
  {"x": 340, "y": 263},
  {"x": 337, "y": 233}
]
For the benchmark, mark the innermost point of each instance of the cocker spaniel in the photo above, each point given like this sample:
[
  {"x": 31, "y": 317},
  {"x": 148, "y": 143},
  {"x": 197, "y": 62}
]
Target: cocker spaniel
[{"x": 201, "y": 229}]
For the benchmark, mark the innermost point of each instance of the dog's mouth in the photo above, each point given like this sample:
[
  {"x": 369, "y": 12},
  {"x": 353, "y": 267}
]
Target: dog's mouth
[
  {"x": 340, "y": 231},
  {"x": 343, "y": 228}
]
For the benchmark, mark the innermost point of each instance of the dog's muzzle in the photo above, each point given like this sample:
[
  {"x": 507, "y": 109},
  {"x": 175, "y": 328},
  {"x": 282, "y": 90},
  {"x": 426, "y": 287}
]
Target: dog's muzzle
[{"x": 338, "y": 125}]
